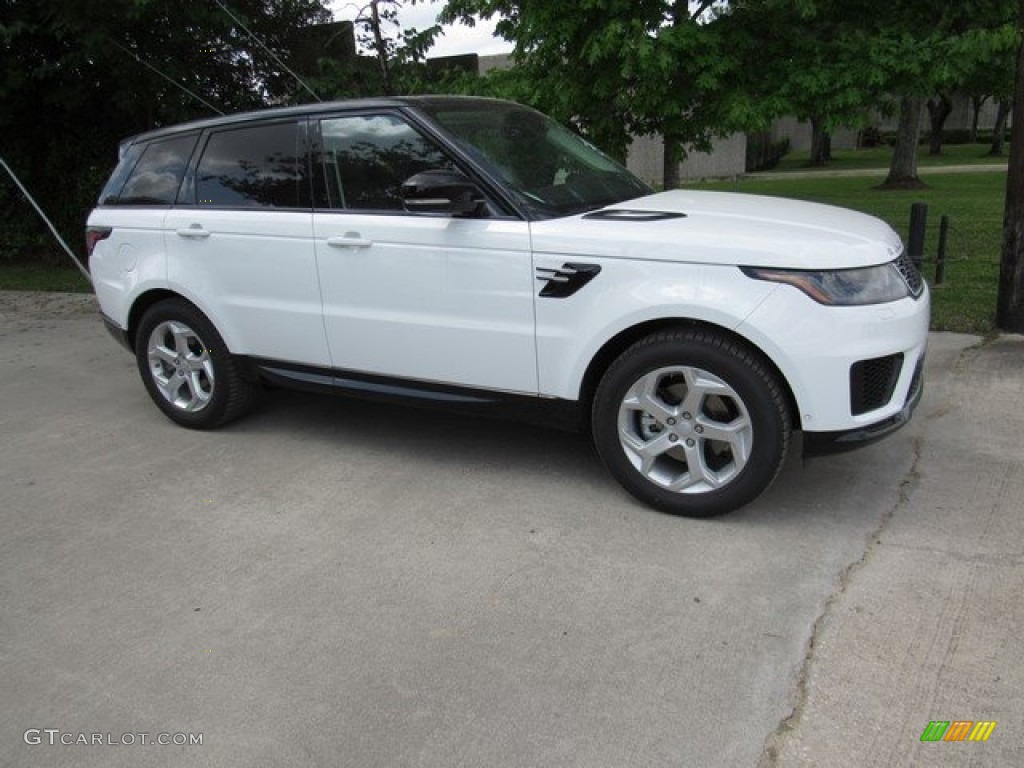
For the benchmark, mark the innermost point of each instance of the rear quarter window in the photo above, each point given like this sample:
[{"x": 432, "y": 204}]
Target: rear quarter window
[{"x": 156, "y": 170}]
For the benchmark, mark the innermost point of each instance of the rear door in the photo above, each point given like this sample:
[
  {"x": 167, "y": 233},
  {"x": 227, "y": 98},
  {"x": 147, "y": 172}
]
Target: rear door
[{"x": 240, "y": 244}]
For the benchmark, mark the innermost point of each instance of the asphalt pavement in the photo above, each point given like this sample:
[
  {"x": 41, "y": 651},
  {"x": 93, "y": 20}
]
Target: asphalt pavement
[{"x": 331, "y": 583}]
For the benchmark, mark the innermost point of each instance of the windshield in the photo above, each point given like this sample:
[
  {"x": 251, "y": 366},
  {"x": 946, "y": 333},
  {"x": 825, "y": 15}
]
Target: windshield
[{"x": 549, "y": 168}]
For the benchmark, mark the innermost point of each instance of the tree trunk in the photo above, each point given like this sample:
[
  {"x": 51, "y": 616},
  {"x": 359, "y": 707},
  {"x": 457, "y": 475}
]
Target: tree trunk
[
  {"x": 670, "y": 163},
  {"x": 999, "y": 131},
  {"x": 939, "y": 109},
  {"x": 821, "y": 142},
  {"x": 977, "y": 102},
  {"x": 381, "y": 49},
  {"x": 1010, "y": 300},
  {"x": 903, "y": 168}
]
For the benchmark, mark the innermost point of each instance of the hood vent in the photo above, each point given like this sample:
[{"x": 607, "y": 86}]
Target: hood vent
[{"x": 625, "y": 214}]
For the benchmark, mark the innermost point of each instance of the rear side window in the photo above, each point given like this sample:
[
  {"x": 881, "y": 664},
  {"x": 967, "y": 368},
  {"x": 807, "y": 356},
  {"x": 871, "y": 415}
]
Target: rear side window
[
  {"x": 156, "y": 176},
  {"x": 259, "y": 166}
]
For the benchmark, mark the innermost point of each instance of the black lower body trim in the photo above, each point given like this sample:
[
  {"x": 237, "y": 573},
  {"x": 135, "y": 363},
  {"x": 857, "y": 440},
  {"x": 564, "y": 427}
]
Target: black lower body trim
[
  {"x": 824, "y": 443},
  {"x": 543, "y": 411},
  {"x": 120, "y": 334}
]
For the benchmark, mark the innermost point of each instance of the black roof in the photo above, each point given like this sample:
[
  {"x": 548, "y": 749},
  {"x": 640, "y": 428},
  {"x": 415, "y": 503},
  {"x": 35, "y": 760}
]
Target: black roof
[{"x": 314, "y": 108}]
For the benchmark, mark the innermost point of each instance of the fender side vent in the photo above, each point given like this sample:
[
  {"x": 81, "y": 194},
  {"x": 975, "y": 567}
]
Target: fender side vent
[{"x": 564, "y": 282}]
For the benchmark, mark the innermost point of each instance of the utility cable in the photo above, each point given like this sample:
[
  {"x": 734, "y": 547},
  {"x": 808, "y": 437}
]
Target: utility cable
[
  {"x": 43, "y": 216},
  {"x": 265, "y": 48},
  {"x": 169, "y": 79}
]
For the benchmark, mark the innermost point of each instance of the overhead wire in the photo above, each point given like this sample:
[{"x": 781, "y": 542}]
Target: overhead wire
[
  {"x": 261, "y": 44},
  {"x": 169, "y": 79}
]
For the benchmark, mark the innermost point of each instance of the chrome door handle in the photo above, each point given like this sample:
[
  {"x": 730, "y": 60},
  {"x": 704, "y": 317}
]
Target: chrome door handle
[
  {"x": 196, "y": 232},
  {"x": 349, "y": 240}
]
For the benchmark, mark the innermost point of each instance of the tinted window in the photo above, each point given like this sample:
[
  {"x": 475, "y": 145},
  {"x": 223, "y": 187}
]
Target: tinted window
[
  {"x": 156, "y": 177},
  {"x": 553, "y": 171},
  {"x": 366, "y": 159},
  {"x": 260, "y": 166}
]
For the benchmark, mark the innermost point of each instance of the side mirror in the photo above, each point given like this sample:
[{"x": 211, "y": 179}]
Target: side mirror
[{"x": 441, "y": 191}]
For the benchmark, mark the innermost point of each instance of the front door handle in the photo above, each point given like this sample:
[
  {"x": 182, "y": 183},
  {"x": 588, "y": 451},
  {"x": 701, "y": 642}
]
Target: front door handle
[
  {"x": 349, "y": 240},
  {"x": 195, "y": 232}
]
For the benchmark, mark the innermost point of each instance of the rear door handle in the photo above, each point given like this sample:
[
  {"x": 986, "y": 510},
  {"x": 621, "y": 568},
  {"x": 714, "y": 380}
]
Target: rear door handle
[
  {"x": 349, "y": 240},
  {"x": 195, "y": 232}
]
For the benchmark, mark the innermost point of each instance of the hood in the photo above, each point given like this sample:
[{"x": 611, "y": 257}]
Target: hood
[{"x": 722, "y": 228}]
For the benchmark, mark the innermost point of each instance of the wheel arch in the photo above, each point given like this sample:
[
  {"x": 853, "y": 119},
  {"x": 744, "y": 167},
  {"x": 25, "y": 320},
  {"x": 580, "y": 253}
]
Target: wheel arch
[
  {"x": 619, "y": 343},
  {"x": 142, "y": 303},
  {"x": 154, "y": 296}
]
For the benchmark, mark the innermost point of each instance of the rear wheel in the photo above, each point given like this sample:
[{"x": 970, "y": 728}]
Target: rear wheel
[
  {"x": 691, "y": 422},
  {"x": 187, "y": 368}
]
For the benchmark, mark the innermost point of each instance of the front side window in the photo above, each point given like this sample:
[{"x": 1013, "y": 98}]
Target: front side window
[
  {"x": 259, "y": 166},
  {"x": 365, "y": 159},
  {"x": 157, "y": 175}
]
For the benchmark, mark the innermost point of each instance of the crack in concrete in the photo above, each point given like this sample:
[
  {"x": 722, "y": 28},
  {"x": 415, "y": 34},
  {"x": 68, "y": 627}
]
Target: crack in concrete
[{"x": 770, "y": 753}]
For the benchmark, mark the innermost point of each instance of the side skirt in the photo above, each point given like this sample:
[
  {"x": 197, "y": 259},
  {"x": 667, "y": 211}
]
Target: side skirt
[{"x": 552, "y": 412}]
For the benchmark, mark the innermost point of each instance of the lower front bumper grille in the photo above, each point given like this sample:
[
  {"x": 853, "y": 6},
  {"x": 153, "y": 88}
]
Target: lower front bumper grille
[{"x": 872, "y": 382}]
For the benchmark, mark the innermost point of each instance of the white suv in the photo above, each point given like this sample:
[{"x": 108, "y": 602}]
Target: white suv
[{"x": 475, "y": 254}]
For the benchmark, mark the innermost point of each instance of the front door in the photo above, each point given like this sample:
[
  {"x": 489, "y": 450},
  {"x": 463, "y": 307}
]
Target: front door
[{"x": 420, "y": 296}]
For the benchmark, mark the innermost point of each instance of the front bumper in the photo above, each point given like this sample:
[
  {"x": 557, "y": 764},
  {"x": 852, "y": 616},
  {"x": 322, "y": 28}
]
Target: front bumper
[{"x": 825, "y": 443}]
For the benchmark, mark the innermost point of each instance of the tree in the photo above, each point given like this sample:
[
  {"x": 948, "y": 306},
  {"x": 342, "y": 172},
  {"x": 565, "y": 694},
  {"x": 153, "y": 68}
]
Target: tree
[
  {"x": 614, "y": 68},
  {"x": 75, "y": 78},
  {"x": 811, "y": 66},
  {"x": 395, "y": 50},
  {"x": 940, "y": 107},
  {"x": 991, "y": 78},
  {"x": 927, "y": 48},
  {"x": 1010, "y": 298},
  {"x": 977, "y": 103},
  {"x": 999, "y": 129}
]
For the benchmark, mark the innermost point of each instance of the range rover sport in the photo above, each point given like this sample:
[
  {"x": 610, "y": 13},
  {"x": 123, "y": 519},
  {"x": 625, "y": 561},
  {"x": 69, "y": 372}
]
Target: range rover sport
[{"x": 472, "y": 253}]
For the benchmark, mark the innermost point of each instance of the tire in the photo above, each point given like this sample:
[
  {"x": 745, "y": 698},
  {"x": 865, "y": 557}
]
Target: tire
[
  {"x": 187, "y": 368},
  {"x": 691, "y": 422}
]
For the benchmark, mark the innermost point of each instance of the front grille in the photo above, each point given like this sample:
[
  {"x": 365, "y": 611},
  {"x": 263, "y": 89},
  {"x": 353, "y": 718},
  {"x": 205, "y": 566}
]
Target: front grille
[
  {"x": 873, "y": 381},
  {"x": 911, "y": 275}
]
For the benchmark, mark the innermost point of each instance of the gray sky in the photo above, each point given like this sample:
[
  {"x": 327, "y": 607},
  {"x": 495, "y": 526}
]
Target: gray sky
[{"x": 457, "y": 38}]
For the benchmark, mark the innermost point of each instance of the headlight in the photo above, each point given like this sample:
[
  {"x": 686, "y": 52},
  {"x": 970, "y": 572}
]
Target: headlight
[{"x": 841, "y": 287}]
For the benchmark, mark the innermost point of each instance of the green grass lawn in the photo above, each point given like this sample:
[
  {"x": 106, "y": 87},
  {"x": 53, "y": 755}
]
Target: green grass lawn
[
  {"x": 39, "y": 277},
  {"x": 966, "y": 301},
  {"x": 879, "y": 157}
]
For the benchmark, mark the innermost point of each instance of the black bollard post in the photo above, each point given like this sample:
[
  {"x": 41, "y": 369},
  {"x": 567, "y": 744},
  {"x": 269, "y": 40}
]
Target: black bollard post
[
  {"x": 940, "y": 255},
  {"x": 918, "y": 220}
]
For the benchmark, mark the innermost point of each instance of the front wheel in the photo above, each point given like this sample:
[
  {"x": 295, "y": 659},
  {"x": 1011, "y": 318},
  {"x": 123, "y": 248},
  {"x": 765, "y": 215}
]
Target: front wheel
[{"x": 691, "y": 422}]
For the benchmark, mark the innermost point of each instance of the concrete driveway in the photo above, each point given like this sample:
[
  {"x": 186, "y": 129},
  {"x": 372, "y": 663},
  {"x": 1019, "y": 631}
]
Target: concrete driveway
[{"x": 331, "y": 583}]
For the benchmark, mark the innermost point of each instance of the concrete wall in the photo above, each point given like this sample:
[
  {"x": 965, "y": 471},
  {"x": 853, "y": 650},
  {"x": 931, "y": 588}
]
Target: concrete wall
[
  {"x": 728, "y": 158},
  {"x": 495, "y": 61},
  {"x": 799, "y": 134},
  {"x": 959, "y": 118}
]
